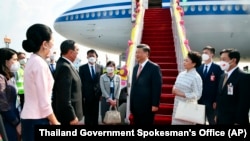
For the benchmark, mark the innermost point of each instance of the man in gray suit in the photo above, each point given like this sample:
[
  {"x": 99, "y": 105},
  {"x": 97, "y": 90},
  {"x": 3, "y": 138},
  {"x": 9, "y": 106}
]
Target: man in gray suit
[
  {"x": 146, "y": 88},
  {"x": 67, "y": 94}
]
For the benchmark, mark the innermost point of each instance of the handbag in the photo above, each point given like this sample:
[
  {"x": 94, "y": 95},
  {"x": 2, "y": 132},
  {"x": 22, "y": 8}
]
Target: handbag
[
  {"x": 112, "y": 116},
  {"x": 191, "y": 112}
]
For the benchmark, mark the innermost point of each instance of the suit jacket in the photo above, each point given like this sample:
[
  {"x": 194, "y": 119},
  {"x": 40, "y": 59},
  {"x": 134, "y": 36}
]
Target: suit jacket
[
  {"x": 210, "y": 83},
  {"x": 90, "y": 88},
  {"x": 146, "y": 89},
  {"x": 67, "y": 94},
  {"x": 234, "y": 108}
]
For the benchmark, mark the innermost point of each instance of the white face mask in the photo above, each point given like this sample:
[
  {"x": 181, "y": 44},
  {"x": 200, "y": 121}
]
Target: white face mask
[
  {"x": 14, "y": 67},
  {"x": 52, "y": 57},
  {"x": 47, "y": 61},
  {"x": 110, "y": 69},
  {"x": 224, "y": 65},
  {"x": 22, "y": 61},
  {"x": 92, "y": 59},
  {"x": 205, "y": 57}
]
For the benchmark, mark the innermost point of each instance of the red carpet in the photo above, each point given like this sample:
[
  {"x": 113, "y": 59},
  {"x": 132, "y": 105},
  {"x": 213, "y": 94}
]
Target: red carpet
[{"x": 157, "y": 33}]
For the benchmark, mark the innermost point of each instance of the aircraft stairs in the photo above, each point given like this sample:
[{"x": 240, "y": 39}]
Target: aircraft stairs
[{"x": 157, "y": 33}]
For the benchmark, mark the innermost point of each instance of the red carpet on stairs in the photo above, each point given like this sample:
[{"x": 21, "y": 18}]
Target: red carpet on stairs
[{"x": 157, "y": 33}]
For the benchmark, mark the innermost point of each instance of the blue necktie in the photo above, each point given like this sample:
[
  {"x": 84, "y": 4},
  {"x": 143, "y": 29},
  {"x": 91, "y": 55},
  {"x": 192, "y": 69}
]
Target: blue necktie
[
  {"x": 205, "y": 71},
  {"x": 92, "y": 72},
  {"x": 52, "y": 67}
]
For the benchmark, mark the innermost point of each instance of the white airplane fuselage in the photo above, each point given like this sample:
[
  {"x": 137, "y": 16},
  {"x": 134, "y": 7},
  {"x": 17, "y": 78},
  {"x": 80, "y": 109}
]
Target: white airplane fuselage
[
  {"x": 103, "y": 25},
  {"x": 106, "y": 25}
]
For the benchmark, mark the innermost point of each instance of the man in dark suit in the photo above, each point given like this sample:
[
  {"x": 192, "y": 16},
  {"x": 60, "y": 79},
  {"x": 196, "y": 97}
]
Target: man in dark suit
[
  {"x": 210, "y": 74},
  {"x": 90, "y": 76},
  {"x": 233, "y": 92},
  {"x": 67, "y": 94},
  {"x": 146, "y": 88}
]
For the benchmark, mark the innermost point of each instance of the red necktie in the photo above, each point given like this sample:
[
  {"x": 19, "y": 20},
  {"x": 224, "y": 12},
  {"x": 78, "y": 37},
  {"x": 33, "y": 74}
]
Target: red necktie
[{"x": 139, "y": 71}]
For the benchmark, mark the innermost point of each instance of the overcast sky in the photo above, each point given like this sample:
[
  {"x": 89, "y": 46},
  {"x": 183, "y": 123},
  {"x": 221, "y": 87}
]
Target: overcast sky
[{"x": 18, "y": 15}]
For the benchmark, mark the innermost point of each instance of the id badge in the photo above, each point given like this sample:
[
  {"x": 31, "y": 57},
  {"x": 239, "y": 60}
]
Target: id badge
[
  {"x": 212, "y": 77},
  {"x": 230, "y": 89}
]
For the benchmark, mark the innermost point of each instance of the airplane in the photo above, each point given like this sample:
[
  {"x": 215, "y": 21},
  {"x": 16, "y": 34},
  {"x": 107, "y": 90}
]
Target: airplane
[
  {"x": 103, "y": 25},
  {"x": 221, "y": 24},
  {"x": 106, "y": 25}
]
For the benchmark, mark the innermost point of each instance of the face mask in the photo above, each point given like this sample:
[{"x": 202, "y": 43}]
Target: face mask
[
  {"x": 224, "y": 65},
  {"x": 47, "y": 61},
  {"x": 92, "y": 59},
  {"x": 205, "y": 57},
  {"x": 52, "y": 57},
  {"x": 22, "y": 61},
  {"x": 14, "y": 67},
  {"x": 110, "y": 69}
]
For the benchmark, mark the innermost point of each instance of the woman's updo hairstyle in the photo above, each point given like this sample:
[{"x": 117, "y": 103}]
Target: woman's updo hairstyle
[{"x": 35, "y": 35}]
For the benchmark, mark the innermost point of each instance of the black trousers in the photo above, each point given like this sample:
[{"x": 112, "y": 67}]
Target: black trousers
[
  {"x": 144, "y": 119},
  {"x": 91, "y": 111}
]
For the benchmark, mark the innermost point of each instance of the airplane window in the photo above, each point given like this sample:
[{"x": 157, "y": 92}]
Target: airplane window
[
  {"x": 123, "y": 12},
  {"x": 222, "y": 7},
  {"x": 244, "y": 7},
  {"x": 104, "y": 13},
  {"x": 207, "y": 7},
  {"x": 110, "y": 13},
  {"x": 237, "y": 7},
  {"x": 192, "y": 8},
  {"x": 129, "y": 11},
  {"x": 82, "y": 16},
  {"x": 116, "y": 12},
  {"x": 93, "y": 14},
  {"x": 185, "y": 8},
  {"x": 200, "y": 7},
  {"x": 87, "y": 15},
  {"x": 98, "y": 13},
  {"x": 215, "y": 7},
  {"x": 229, "y": 8}
]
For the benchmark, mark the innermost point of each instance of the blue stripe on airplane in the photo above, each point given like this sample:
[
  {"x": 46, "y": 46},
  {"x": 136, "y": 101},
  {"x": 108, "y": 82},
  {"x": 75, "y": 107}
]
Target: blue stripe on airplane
[
  {"x": 95, "y": 16},
  {"x": 99, "y": 6},
  {"x": 189, "y": 10},
  {"x": 217, "y": 10}
]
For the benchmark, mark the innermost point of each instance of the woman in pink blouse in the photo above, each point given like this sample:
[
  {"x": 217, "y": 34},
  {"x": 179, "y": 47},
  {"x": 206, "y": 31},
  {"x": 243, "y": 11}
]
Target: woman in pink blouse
[{"x": 38, "y": 81}]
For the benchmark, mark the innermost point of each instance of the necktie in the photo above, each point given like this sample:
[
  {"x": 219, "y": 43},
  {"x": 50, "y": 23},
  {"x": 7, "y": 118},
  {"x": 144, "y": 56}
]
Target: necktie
[
  {"x": 205, "y": 71},
  {"x": 225, "y": 79},
  {"x": 92, "y": 72},
  {"x": 52, "y": 67},
  {"x": 139, "y": 71}
]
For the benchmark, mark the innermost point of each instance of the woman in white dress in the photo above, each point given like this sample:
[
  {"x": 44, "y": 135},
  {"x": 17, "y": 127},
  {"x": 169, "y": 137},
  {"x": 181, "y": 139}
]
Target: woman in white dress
[{"x": 188, "y": 85}]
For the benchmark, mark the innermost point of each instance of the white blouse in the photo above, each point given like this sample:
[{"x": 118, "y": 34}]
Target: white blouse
[{"x": 190, "y": 83}]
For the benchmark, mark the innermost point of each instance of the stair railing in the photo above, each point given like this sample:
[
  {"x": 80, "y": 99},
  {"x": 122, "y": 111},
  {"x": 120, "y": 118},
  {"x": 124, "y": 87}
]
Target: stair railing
[
  {"x": 136, "y": 35},
  {"x": 180, "y": 41}
]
